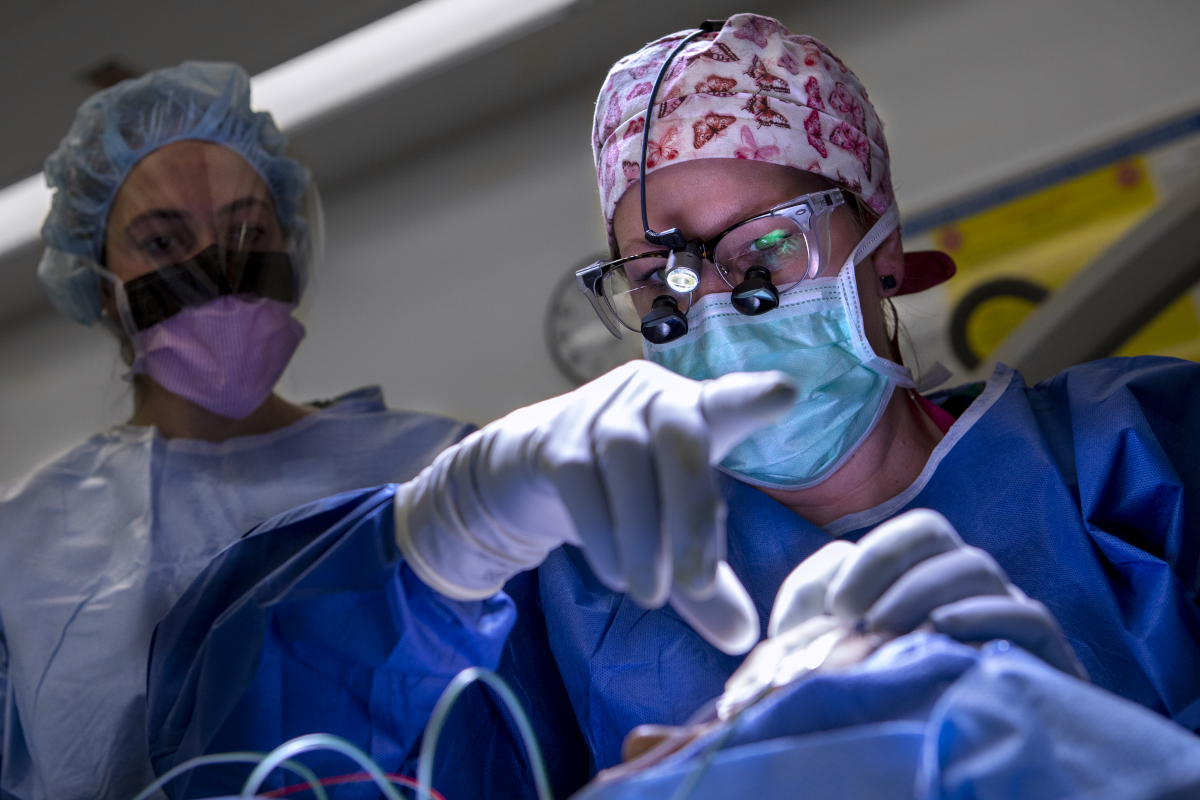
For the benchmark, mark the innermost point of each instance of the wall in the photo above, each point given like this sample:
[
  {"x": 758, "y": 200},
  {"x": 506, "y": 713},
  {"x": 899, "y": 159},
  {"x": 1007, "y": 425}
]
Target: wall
[{"x": 439, "y": 266}]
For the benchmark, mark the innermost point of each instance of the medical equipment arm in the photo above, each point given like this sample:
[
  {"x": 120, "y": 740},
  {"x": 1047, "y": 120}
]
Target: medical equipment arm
[
  {"x": 915, "y": 569},
  {"x": 621, "y": 468}
]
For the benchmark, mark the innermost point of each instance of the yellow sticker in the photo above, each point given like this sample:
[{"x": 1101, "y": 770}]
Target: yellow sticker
[{"x": 1113, "y": 191}]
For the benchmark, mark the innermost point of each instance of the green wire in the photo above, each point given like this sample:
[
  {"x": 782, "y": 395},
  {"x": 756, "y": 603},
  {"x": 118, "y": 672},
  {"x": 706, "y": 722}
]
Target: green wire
[
  {"x": 690, "y": 781},
  {"x": 442, "y": 710},
  {"x": 233, "y": 758},
  {"x": 317, "y": 741}
]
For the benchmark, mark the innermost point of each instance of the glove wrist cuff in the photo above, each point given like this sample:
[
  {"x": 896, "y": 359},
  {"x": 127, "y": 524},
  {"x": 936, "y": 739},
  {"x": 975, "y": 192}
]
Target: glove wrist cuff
[{"x": 430, "y": 576}]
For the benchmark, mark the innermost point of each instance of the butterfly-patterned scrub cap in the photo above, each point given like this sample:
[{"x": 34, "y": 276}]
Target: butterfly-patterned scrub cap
[{"x": 752, "y": 90}]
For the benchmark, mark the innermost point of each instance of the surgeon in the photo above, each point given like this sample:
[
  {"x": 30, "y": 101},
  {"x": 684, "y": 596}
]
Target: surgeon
[
  {"x": 756, "y": 257},
  {"x": 180, "y": 225},
  {"x": 770, "y": 241}
]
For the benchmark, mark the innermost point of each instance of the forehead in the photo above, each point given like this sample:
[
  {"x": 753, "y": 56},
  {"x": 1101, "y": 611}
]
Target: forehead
[
  {"x": 705, "y": 196},
  {"x": 197, "y": 177}
]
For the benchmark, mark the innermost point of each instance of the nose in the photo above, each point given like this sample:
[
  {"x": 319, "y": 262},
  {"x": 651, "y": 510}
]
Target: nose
[
  {"x": 206, "y": 237},
  {"x": 711, "y": 281}
]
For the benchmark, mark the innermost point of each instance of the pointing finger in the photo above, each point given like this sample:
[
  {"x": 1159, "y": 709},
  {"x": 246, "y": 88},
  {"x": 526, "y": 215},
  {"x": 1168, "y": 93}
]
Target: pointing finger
[
  {"x": 727, "y": 619},
  {"x": 692, "y": 508},
  {"x": 740, "y": 403}
]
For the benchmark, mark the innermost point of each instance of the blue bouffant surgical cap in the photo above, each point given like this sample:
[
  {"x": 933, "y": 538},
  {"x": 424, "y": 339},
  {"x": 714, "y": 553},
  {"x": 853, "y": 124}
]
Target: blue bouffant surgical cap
[{"x": 116, "y": 128}]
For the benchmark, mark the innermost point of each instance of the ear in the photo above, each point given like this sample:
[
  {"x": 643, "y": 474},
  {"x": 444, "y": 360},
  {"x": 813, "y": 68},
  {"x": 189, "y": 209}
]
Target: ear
[{"x": 888, "y": 260}]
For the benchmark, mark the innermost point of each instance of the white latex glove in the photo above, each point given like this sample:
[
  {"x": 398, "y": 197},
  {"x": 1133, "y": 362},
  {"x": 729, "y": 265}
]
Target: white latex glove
[
  {"x": 915, "y": 569},
  {"x": 620, "y": 467}
]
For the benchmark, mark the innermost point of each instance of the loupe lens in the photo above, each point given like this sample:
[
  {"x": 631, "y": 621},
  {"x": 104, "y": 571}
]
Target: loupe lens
[
  {"x": 665, "y": 322},
  {"x": 630, "y": 289}
]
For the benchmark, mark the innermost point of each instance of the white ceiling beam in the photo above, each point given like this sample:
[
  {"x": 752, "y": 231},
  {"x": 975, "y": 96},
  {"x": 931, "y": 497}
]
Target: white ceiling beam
[{"x": 349, "y": 70}]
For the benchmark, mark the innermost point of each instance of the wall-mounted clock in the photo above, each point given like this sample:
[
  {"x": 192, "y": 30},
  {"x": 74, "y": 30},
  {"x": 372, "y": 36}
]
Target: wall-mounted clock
[{"x": 581, "y": 347}]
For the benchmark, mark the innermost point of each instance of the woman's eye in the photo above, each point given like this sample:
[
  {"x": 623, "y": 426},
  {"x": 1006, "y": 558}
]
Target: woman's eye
[
  {"x": 160, "y": 245},
  {"x": 653, "y": 276}
]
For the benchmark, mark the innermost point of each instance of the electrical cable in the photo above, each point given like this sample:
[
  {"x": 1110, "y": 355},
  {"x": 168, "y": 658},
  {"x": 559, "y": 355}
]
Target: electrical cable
[
  {"x": 688, "y": 786},
  {"x": 651, "y": 236},
  {"x": 317, "y": 741},
  {"x": 233, "y": 758},
  {"x": 441, "y": 711},
  {"x": 356, "y": 777}
]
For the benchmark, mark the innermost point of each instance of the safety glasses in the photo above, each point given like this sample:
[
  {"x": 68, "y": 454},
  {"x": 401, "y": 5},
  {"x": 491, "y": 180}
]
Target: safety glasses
[{"x": 789, "y": 243}]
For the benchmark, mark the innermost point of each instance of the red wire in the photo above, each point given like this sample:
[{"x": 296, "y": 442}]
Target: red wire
[{"x": 351, "y": 778}]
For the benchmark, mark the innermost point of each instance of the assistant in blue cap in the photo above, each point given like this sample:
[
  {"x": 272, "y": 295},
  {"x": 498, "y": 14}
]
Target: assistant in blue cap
[{"x": 180, "y": 223}]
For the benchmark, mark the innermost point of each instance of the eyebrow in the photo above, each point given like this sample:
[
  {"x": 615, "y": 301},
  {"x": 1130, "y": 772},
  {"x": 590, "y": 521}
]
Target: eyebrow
[
  {"x": 166, "y": 214},
  {"x": 245, "y": 202},
  {"x": 174, "y": 214},
  {"x": 739, "y": 215}
]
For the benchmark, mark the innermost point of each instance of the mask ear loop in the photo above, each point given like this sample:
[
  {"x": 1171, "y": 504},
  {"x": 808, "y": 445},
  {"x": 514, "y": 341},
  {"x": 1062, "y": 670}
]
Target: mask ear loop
[
  {"x": 879, "y": 231},
  {"x": 883, "y": 228},
  {"x": 124, "y": 317}
]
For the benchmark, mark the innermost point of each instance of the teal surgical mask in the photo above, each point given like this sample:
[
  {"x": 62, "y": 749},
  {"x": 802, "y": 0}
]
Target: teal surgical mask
[{"x": 817, "y": 337}]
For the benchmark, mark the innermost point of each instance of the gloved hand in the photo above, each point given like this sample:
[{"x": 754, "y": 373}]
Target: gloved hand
[
  {"x": 915, "y": 569},
  {"x": 620, "y": 467}
]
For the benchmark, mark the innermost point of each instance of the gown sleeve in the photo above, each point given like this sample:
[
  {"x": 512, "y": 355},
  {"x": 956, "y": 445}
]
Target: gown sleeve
[
  {"x": 1131, "y": 438},
  {"x": 1148, "y": 488},
  {"x": 310, "y": 623},
  {"x": 1126, "y": 435}
]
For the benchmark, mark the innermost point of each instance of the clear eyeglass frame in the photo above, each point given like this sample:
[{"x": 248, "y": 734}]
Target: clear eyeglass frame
[{"x": 607, "y": 286}]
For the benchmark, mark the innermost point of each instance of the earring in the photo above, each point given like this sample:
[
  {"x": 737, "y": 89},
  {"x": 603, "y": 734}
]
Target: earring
[{"x": 889, "y": 282}]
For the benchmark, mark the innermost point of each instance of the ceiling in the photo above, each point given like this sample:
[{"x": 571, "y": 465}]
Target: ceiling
[{"x": 48, "y": 48}]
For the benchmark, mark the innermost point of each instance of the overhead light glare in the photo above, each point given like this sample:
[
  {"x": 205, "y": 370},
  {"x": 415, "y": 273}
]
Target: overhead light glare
[
  {"x": 390, "y": 51},
  {"x": 349, "y": 70},
  {"x": 23, "y": 206}
]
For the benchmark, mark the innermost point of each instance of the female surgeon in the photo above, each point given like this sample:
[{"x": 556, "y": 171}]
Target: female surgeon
[
  {"x": 768, "y": 242},
  {"x": 179, "y": 224}
]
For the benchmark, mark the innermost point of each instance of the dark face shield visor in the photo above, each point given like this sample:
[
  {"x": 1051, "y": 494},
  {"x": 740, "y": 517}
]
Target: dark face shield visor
[{"x": 213, "y": 272}]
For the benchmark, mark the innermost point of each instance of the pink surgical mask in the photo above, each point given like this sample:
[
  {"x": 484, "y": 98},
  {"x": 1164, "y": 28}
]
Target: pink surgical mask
[{"x": 225, "y": 355}]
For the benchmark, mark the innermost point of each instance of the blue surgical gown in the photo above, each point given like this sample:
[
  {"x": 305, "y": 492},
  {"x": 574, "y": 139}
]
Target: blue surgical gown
[
  {"x": 1085, "y": 488},
  {"x": 98, "y": 544}
]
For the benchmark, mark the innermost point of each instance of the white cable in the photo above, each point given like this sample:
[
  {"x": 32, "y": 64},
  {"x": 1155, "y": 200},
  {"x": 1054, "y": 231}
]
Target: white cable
[
  {"x": 442, "y": 710},
  {"x": 317, "y": 741},
  {"x": 233, "y": 758}
]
